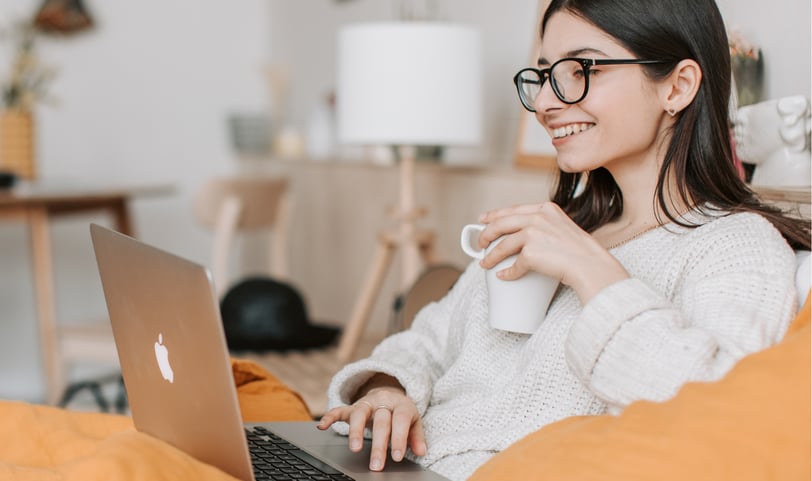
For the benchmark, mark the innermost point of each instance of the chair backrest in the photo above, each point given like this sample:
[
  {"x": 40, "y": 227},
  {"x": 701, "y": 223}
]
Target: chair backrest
[
  {"x": 430, "y": 286},
  {"x": 229, "y": 205}
]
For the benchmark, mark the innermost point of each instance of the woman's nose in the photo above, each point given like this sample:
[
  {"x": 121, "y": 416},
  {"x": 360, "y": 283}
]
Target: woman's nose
[{"x": 547, "y": 99}]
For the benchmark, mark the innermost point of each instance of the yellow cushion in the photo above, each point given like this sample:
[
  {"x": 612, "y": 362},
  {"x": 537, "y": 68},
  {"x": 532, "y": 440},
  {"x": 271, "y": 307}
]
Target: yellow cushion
[
  {"x": 39, "y": 443},
  {"x": 263, "y": 397},
  {"x": 754, "y": 424}
]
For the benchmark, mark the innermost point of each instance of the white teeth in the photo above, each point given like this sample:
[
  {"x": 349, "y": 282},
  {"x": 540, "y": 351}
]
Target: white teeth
[{"x": 570, "y": 129}]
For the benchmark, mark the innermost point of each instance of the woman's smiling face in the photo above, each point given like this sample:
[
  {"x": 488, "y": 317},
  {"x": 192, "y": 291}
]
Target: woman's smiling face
[{"x": 620, "y": 121}]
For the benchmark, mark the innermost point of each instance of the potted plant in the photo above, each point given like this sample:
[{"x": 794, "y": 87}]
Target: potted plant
[
  {"x": 23, "y": 85},
  {"x": 748, "y": 69}
]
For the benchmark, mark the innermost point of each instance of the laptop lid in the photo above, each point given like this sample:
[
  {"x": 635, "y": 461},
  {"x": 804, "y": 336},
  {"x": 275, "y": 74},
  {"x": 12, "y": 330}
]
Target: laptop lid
[
  {"x": 175, "y": 363},
  {"x": 173, "y": 355}
]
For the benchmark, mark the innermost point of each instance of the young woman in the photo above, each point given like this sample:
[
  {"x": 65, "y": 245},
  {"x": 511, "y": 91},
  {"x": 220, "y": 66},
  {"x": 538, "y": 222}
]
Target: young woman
[{"x": 671, "y": 269}]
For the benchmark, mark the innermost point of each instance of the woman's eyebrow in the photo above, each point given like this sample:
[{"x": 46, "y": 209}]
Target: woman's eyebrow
[{"x": 575, "y": 53}]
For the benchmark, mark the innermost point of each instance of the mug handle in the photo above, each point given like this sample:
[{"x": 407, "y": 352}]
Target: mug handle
[{"x": 469, "y": 238}]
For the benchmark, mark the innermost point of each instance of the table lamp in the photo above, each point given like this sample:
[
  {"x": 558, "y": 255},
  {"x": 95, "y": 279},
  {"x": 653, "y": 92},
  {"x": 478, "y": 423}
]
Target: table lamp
[{"x": 405, "y": 84}]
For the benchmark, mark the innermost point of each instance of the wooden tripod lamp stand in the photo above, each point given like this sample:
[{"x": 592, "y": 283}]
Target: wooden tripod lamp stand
[{"x": 405, "y": 84}]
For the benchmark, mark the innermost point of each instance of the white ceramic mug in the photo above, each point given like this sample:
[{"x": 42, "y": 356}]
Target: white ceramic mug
[{"x": 519, "y": 305}]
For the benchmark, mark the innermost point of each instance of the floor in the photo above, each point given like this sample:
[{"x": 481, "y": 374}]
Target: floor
[{"x": 308, "y": 372}]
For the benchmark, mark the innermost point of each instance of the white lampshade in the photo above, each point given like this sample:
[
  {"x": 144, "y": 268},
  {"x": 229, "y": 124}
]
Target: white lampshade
[{"x": 409, "y": 83}]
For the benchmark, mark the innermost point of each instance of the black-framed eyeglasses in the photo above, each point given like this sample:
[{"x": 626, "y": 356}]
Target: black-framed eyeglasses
[{"x": 569, "y": 78}]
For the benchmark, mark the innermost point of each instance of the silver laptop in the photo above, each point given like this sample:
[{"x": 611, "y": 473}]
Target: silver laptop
[{"x": 175, "y": 363}]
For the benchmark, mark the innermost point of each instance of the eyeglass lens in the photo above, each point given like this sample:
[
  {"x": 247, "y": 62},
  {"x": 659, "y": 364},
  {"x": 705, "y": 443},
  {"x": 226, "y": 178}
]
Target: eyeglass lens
[{"x": 568, "y": 81}]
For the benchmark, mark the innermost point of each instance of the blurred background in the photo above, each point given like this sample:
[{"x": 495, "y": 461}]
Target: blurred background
[{"x": 161, "y": 93}]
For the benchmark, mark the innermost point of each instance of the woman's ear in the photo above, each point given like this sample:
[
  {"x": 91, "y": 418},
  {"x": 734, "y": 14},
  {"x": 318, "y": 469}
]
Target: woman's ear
[{"x": 679, "y": 88}]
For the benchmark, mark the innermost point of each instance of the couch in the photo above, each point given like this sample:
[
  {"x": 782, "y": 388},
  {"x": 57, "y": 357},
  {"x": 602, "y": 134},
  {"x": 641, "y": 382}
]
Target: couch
[{"x": 754, "y": 424}]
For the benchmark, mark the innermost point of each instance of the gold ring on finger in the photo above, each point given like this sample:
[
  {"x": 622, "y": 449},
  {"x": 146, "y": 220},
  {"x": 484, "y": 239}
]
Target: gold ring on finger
[{"x": 385, "y": 406}]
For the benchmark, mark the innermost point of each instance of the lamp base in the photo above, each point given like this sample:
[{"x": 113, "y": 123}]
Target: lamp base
[
  {"x": 388, "y": 242},
  {"x": 414, "y": 244}
]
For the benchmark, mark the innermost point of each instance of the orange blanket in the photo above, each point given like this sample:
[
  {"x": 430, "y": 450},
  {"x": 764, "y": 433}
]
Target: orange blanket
[{"x": 40, "y": 443}]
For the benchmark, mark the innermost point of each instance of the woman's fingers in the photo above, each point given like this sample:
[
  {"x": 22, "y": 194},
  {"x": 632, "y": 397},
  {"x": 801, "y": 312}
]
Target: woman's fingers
[
  {"x": 489, "y": 216},
  {"x": 417, "y": 438},
  {"x": 356, "y": 416},
  {"x": 508, "y": 221},
  {"x": 394, "y": 423},
  {"x": 360, "y": 414},
  {"x": 402, "y": 419},
  {"x": 381, "y": 430},
  {"x": 333, "y": 416},
  {"x": 507, "y": 246},
  {"x": 544, "y": 230},
  {"x": 513, "y": 271}
]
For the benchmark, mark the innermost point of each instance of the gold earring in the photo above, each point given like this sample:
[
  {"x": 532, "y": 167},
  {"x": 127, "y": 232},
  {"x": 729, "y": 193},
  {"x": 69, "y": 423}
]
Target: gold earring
[{"x": 671, "y": 112}]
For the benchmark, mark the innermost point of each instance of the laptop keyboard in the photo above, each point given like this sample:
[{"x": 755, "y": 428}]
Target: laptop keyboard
[{"x": 275, "y": 459}]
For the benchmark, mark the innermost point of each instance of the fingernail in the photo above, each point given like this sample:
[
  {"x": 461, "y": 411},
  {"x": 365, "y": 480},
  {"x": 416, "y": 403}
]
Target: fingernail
[
  {"x": 482, "y": 217},
  {"x": 397, "y": 455},
  {"x": 355, "y": 444},
  {"x": 376, "y": 464}
]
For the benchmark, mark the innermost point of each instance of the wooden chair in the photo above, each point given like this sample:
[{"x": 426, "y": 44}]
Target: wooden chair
[
  {"x": 231, "y": 205},
  {"x": 432, "y": 285}
]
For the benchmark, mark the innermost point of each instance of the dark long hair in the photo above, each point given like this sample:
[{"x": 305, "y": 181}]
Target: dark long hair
[{"x": 699, "y": 153}]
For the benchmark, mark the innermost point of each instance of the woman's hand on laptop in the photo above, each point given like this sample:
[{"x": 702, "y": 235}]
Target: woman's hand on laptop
[{"x": 391, "y": 415}]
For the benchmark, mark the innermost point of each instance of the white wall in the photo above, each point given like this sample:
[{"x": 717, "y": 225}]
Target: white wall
[
  {"x": 145, "y": 95},
  {"x": 142, "y": 97}
]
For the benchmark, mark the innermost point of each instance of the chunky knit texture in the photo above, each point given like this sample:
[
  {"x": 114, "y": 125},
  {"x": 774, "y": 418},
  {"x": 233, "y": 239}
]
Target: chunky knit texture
[{"x": 697, "y": 301}]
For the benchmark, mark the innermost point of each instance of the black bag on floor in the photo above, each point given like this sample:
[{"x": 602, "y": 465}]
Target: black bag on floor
[{"x": 262, "y": 314}]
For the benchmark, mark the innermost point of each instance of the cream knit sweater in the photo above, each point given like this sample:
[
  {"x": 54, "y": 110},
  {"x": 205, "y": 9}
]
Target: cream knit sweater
[{"x": 697, "y": 301}]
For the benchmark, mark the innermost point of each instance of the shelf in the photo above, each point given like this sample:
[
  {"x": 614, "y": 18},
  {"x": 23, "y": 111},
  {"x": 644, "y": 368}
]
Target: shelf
[{"x": 799, "y": 195}]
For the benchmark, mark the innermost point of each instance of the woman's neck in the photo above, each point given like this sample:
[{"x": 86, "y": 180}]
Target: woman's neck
[
  {"x": 638, "y": 185},
  {"x": 641, "y": 208}
]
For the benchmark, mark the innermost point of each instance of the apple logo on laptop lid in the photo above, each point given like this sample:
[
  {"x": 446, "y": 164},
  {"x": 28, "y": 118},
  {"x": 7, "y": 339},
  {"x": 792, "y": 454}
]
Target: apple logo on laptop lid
[{"x": 162, "y": 356}]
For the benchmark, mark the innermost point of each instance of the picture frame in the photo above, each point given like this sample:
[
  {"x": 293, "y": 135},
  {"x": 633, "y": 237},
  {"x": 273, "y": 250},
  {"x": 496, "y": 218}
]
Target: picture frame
[{"x": 534, "y": 148}]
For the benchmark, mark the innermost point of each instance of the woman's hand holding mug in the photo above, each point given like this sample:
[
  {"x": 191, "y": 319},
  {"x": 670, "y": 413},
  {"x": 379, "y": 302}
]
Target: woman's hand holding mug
[{"x": 518, "y": 305}]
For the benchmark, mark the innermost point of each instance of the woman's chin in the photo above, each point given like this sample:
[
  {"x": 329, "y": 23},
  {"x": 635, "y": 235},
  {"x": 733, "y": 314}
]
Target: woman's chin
[
  {"x": 575, "y": 162},
  {"x": 566, "y": 166}
]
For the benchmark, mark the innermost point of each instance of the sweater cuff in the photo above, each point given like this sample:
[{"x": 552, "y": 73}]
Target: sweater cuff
[
  {"x": 601, "y": 318},
  {"x": 348, "y": 380}
]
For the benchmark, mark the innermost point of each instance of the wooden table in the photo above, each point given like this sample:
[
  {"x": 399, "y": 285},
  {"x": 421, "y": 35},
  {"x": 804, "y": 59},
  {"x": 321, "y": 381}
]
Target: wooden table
[{"x": 36, "y": 204}]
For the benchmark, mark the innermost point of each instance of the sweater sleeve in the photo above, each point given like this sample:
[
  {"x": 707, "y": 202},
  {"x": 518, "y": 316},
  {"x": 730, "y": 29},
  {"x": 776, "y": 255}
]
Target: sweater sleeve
[
  {"x": 734, "y": 295},
  {"x": 416, "y": 357}
]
